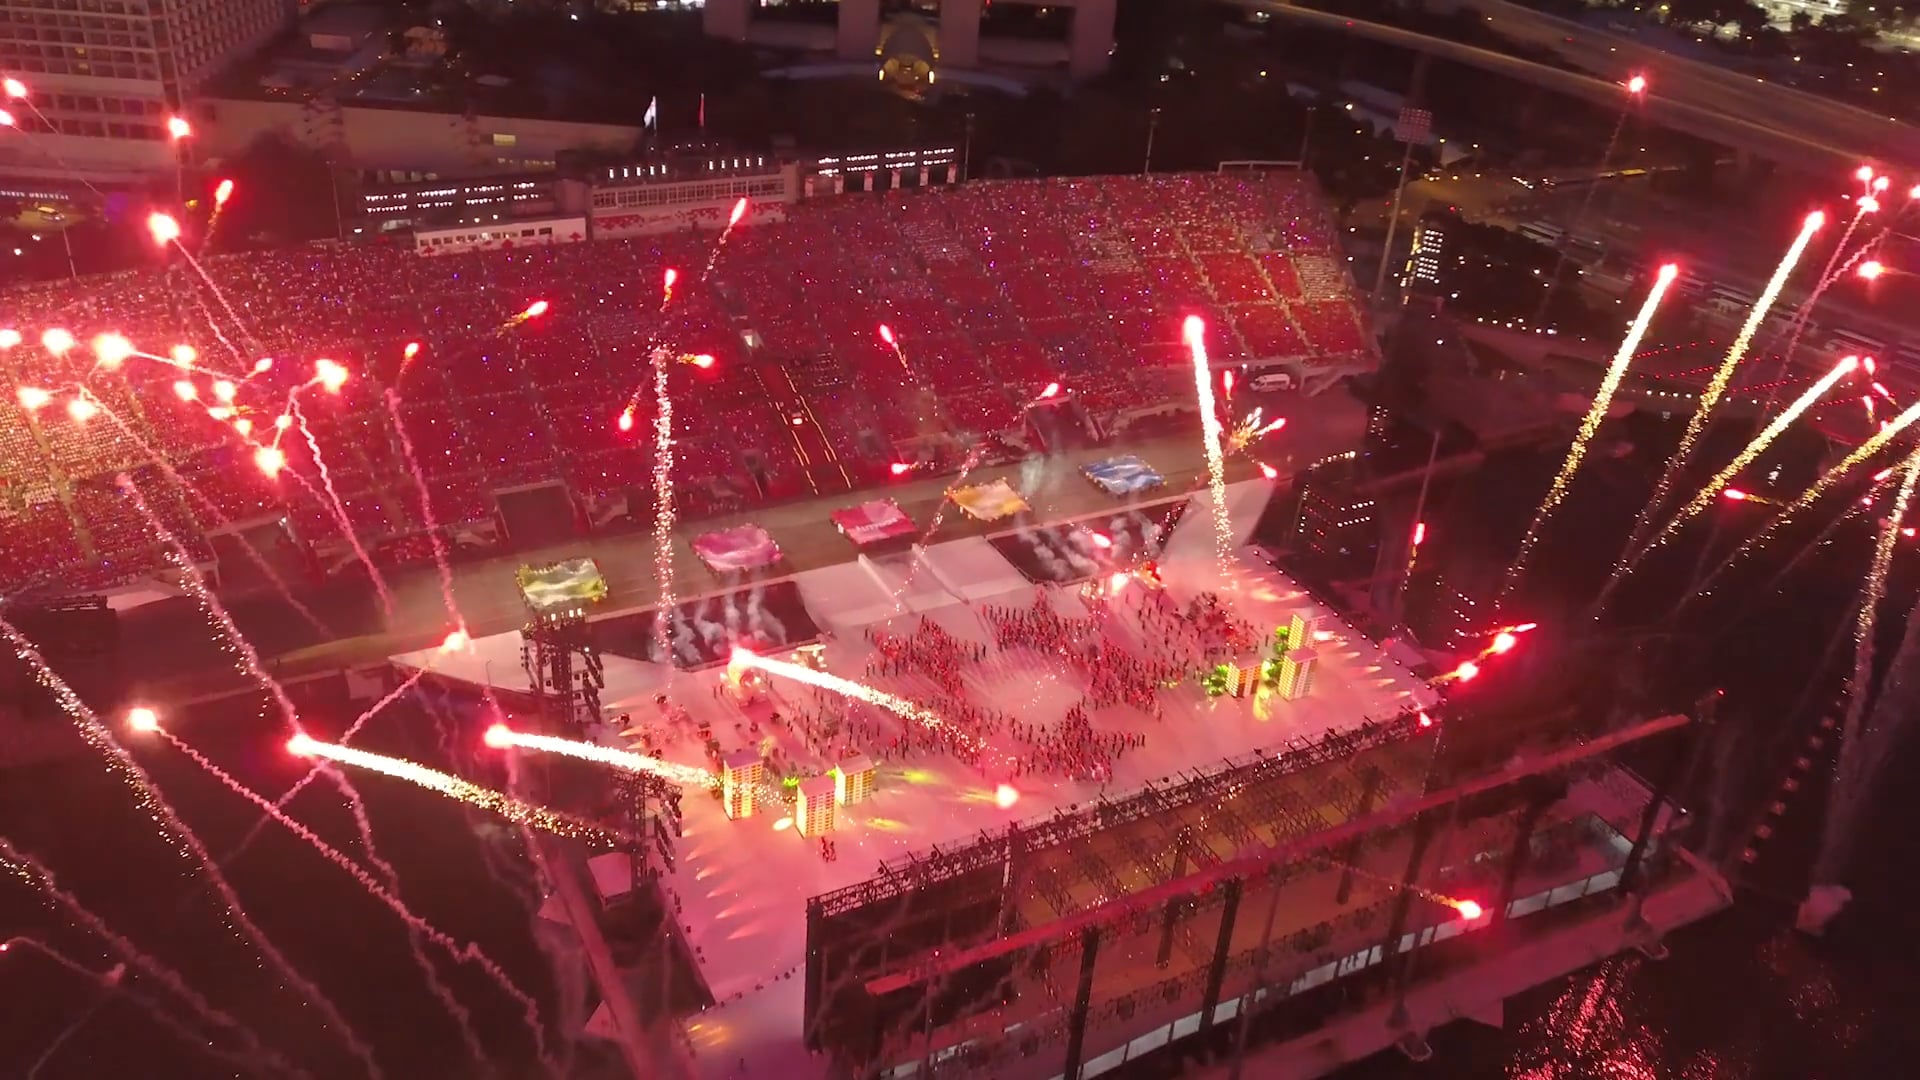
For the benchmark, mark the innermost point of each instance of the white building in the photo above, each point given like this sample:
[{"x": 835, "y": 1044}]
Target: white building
[{"x": 104, "y": 76}]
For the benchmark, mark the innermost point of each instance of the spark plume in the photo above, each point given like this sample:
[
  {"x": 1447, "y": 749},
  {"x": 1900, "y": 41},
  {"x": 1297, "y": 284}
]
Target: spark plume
[
  {"x": 743, "y": 659},
  {"x": 1589, "y": 427},
  {"x": 495, "y": 802},
  {"x": 502, "y": 737},
  {"x": 1195, "y": 333},
  {"x": 663, "y": 513},
  {"x": 338, "y": 508},
  {"x": 1874, "y": 444},
  {"x": 1717, "y": 487},
  {"x": 439, "y": 542},
  {"x": 185, "y": 842},
  {"x": 1716, "y": 387},
  {"x": 1866, "y": 620},
  {"x": 417, "y": 927}
]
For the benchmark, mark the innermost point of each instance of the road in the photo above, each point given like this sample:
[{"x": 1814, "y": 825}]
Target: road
[{"x": 1773, "y": 122}]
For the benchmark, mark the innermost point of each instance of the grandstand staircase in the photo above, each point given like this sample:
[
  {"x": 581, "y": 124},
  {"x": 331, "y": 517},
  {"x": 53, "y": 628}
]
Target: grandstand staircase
[{"x": 824, "y": 471}]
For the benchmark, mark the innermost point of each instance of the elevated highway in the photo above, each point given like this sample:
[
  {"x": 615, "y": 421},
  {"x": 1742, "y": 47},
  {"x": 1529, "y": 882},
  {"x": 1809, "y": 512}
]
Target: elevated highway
[{"x": 1760, "y": 119}]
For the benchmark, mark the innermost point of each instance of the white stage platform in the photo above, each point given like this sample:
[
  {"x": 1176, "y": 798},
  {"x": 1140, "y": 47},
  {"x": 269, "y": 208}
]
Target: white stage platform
[{"x": 742, "y": 886}]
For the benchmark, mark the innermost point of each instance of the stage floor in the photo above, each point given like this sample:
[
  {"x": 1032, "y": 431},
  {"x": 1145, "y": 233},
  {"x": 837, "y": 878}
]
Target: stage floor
[{"x": 741, "y": 887}]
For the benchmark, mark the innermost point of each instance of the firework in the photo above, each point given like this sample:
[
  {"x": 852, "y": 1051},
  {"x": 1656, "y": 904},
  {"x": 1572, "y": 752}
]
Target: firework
[
  {"x": 743, "y": 659},
  {"x": 440, "y": 559},
  {"x": 35, "y": 873},
  {"x": 314, "y": 773},
  {"x": 495, "y": 802},
  {"x": 1861, "y": 453},
  {"x": 186, "y": 843},
  {"x": 1867, "y": 618},
  {"x": 1716, "y": 488},
  {"x": 1588, "y": 427},
  {"x": 502, "y": 737},
  {"x": 1195, "y": 333},
  {"x": 418, "y": 929},
  {"x": 1717, "y": 386},
  {"x": 666, "y": 287},
  {"x": 734, "y": 218},
  {"x": 249, "y": 662},
  {"x": 207, "y": 506},
  {"x": 1778, "y": 425},
  {"x": 1250, "y": 430},
  {"x": 663, "y": 513},
  {"x": 337, "y": 508}
]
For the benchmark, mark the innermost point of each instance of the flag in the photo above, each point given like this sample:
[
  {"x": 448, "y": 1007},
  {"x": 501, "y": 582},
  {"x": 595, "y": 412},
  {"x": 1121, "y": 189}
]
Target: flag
[
  {"x": 652, "y": 118},
  {"x": 703, "y": 112}
]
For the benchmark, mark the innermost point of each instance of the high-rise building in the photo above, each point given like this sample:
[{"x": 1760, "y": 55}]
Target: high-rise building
[
  {"x": 1432, "y": 255},
  {"x": 104, "y": 76}
]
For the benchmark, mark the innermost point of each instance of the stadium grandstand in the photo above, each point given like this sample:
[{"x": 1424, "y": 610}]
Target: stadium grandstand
[{"x": 995, "y": 290}]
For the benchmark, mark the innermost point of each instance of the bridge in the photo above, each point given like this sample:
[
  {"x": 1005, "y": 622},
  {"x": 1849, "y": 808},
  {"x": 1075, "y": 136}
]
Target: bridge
[{"x": 1752, "y": 116}]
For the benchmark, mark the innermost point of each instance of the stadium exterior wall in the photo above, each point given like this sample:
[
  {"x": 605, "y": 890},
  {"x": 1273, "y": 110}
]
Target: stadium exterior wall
[{"x": 405, "y": 140}]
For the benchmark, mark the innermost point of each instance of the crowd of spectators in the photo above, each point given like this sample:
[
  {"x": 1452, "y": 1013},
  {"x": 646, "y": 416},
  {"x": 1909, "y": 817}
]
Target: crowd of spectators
[{"x": 992, "y": 290}]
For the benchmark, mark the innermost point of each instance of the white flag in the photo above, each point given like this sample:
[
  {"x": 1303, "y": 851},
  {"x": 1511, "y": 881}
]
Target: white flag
[{"x": 653, "y": 113}]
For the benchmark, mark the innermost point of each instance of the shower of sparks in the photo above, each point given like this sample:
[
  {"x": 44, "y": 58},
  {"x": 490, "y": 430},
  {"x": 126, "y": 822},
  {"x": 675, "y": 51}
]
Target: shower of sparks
[
  {"x": 441, "y": 559},
  {"x": 1250, "y": 430},
  {"x": 1716, "y": 387},
  {"x": 185, "y": 842},
  {"x": 743, "y": 659},
  {"x": 1877, "y": 442},
  {"x": 495, "y": 802},
  {"x": 1866, "y": 620},
  {"x": 338, "y": 508},
  {"x": 418, "y": 927},
  {"x": 502, "y": 737},
  {"x": 1195, "y": 333},
  {"x": 1589, "y": 426},
  {"x": 663, "y": 512},
  {"x": 1716, "y": 488}
]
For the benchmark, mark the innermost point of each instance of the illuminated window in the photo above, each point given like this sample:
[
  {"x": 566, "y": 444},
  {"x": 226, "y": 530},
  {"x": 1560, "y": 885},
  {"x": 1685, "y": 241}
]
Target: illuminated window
[{"x": 500, "y": 139}]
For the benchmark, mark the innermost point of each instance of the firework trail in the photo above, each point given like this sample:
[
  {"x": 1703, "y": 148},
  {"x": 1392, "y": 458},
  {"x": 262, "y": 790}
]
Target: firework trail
[
  {"x": 211, "y": 509},
  {"x": 743, "y": 659},
  {"x": 339, "y": 509},
  {"x": 112, "y": 984},
  {"x": 250, "y": 663},
  {"x": 1195, "y": 332},
  {"x": 1830, "y": 273},
  {"x": 502, "y": 737},
  {"x": 1855, "y": 764},
  {"x": 1894, "y": 710},
  {"x": 221, "y": 193},
  {"x": 417, "y": 927},
  {"x": 1717, "y": 386},
  {"x": 506, "y": 806},
  {"x": 1705, "y": 587},
  {"x": 35, "y": 873},
  {"x": 1713, "y": 488},
  {"x": 187, "y": 843},
  {"x": 439, "y": 542},
  {"x": 734, "y": 218},
  {"x": 1589, "y": 426},
  {"x": 663, "y": 513},
  {"x": 1832, "y": 476},
  {"x": 312, "y": 774}
]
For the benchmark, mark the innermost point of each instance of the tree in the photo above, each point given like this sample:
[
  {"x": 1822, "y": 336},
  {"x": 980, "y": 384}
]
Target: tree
[
  {"x": 283, "y": 193},
  {"x": 1748, "y": 15}
]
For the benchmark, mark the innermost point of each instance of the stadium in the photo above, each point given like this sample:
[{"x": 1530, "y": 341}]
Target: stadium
[{"x": 928, "y": 558}]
